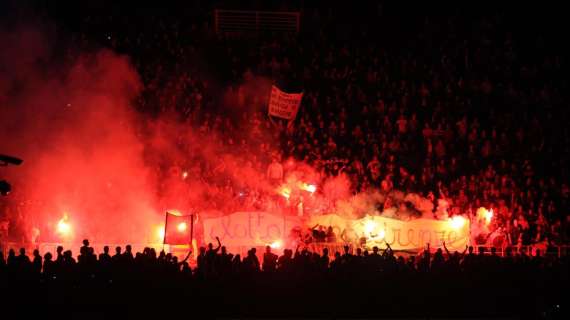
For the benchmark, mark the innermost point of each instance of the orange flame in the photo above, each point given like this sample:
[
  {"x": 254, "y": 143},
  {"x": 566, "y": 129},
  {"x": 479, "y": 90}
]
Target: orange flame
[
  {"x": 308, "y": 187},
  {"x": 63, "y": 226},
  {"x": 285, "y": 191},
  {"x": 181, "y": 227},
  {"x": 160, "y": 233},
  {"x": 276, "y": 244},
  {"x": 485, "y": 215},
  {"x": 457, "y": 222}
]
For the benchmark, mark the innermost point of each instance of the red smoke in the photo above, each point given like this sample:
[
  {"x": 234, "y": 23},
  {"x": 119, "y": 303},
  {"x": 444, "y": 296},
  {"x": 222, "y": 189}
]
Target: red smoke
[{"x": 72, "y": 123}]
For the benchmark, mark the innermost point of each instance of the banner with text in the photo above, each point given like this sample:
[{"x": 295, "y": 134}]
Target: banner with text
[
  {"x": 284, "y": 105},
  {"x": 401, "y": 235},
  {"x": 249, "y": 228}
]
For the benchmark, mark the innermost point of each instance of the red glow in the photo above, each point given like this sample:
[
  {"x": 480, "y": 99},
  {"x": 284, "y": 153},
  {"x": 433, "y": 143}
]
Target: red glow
[
  {"x": 160, "y": 233},
  {"x": 276, "y": 244},
  {"x": 457, "y": 222},
  {"x": 63, "y": 227},
  {"x": 181, "y": 227}
]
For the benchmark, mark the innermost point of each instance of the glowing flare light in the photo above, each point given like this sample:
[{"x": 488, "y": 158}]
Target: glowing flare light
[
  {"x": 457, "y": 222},
  {"x": 370, "y": 226},
  {"x": 308, "y": 187},
  {"x": 485, "y": 215},
  {"x": 181, "y": 227},
  {"x": 276, "y": 244},
  {"x": 160, "y": 233},
  {"x": 63, "y": 227},
  {"x": 285, "y": 191}
]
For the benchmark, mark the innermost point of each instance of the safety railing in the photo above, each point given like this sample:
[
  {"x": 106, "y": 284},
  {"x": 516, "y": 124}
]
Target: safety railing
[{"x": 241, "y": 20}]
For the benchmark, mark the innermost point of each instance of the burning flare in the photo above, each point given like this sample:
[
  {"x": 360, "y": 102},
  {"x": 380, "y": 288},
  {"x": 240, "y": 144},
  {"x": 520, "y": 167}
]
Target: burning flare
[
  {"x": 485, "y": 215},
  {"x": 457, "y": 222},
  {"x": 181, "y": 227},
  {"x": 160, "y": 233},
  {"x": 285, "y": 191},
  {"x": 63, "y": 226},
  {"x": 276, "y": 244},
  {"x": 308, "y": 187}
]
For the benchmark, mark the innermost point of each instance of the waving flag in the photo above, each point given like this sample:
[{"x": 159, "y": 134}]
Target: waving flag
[
  {"x": 284, "y": 105},
  {"x": 178, "y": 229}
]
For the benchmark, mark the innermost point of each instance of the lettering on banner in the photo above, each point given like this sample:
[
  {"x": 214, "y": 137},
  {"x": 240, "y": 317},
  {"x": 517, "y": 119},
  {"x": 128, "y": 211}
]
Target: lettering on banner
[{"x": 247, "y": 228}]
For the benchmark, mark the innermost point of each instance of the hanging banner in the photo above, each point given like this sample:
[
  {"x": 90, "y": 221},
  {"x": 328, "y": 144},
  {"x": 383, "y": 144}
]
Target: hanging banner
[
  {"x": 249, "y": 228},
  {"x": 284, "y": 105},
  {"x": 410, "y": 235}
]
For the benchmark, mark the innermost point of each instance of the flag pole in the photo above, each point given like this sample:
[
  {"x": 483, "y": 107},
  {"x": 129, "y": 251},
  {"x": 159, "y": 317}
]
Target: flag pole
[
  {"x": 191, "y": 228},
  {"x": 164, "y": 232}
]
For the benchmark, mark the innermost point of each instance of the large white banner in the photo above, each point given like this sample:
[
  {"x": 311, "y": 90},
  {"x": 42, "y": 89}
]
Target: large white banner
[
  {"x": 262, "y": 228},
  {"x": 284, "y": 105},
  {"x": 410, "y": 235}
]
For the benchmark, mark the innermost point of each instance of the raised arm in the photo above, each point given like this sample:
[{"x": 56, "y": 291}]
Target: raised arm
[
  {"x": 219, "y": 244},
  {"x": 446, "y": 251},
  {"x": 186, "y": 258},
  {"x": 387, "y": 248}
]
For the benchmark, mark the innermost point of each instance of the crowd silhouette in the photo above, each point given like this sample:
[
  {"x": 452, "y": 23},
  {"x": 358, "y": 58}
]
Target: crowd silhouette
[{"x": 300, "y": 282}]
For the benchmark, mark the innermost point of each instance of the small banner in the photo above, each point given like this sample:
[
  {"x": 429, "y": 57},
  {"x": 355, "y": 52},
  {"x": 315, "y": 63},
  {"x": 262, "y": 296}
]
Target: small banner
[
  {"x": 284, "y": 105},
  {"x": 177, "y": 229}
]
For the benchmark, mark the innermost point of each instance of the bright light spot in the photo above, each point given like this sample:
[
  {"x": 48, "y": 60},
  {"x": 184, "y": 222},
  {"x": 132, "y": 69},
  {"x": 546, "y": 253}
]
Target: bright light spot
[
  {"x": 181, "y": 227},
  {"x": 381, "y": 234},
  {"x": 457, "y": 222},
  {"x": 160, "y": 233},
  {"x": 484, "y": 214},
  {"x": 308, "y": 187},
  {"x": 285, "y": 191},
  {"x": 63, "y": 226},
  {"x": 276, "y": 244},
  {"x": 184, "y": 175},
  {"x": 370, "y": 226},
  {"x": 175, "y": 212}
]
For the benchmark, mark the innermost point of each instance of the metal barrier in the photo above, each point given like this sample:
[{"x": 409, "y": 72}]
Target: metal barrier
[{"x": 240, "y": 20}]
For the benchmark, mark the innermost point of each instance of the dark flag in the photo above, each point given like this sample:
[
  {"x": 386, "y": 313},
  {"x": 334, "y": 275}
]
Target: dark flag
[{"x": 178, "y": 229}]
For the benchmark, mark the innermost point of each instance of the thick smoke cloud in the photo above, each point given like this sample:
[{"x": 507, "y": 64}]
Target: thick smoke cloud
[
  {"x": 71, "y": 121},
  {"x": 89, "y": 155}
]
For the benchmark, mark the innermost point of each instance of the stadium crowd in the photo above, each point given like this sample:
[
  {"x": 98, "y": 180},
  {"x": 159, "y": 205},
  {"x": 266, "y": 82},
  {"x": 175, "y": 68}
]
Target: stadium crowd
[
  {"x": 361, "y": 282},
  {"x": 469, "y": 109}
]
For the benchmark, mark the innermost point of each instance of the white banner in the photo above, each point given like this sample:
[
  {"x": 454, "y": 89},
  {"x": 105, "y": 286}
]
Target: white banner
[
  {"x": 401, "y": 235},
  {"x": 249, "y": 228},
  {"x": 284, "y": 105}
]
